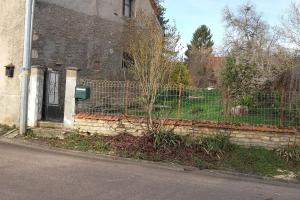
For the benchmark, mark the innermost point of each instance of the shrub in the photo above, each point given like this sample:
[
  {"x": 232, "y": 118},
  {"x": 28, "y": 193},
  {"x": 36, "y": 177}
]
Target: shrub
[
  {"x": 180, "y": 74},
  {"x": 165, "y": 139}
]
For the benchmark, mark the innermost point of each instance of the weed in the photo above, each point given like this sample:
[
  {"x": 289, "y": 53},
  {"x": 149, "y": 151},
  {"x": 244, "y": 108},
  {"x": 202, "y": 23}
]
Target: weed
[
  {"x": 128, "y": 154},
  {"x": 5, "y": 128},
  {"x": 138, "y": 156},
  {"x": 30, "y": 134},
  {"x": 78, "y": 142},
  {"x": 165, "y": 139},
  {"x": 216, "y": 146},
  {"x": 101, "y": 146},
  {"x": 73, "y": 136},
  {"x": 290, "y": 154},
  {"x": 83, "y": 145},
  {"x": 202, "y": 164}
]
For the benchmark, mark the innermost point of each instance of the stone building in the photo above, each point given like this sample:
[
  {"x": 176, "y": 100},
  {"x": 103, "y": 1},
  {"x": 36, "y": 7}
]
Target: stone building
[{"x": 85, "y": 34}]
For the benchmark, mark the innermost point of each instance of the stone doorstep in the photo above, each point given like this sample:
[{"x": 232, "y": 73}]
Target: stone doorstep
[
  {"x": 50, "y": 132},
  {"x": 48, "y": 124}
]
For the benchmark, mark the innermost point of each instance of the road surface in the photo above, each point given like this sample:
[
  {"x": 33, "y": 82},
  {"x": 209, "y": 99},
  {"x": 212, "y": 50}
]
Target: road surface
[{"x": 35, "y": 174}]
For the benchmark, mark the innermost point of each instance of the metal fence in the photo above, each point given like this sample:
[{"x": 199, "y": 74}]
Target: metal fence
[{"x": 186, "y": 103}]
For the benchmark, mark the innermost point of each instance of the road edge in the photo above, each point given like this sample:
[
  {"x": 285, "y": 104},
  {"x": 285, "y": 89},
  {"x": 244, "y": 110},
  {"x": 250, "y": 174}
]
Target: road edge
[{"x": 150, "y": 164}]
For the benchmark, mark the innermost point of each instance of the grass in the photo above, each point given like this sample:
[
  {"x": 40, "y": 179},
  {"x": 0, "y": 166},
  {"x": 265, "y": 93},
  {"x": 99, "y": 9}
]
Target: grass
[
  {"x": 81, "y": 143},
  {"x": 75, "y": 141},
  {"x": 257, "y": 161},
  {"x": 205, "y": 153},
  {"x": 4, "y": 129},
  {"x": 208, "y": 106}
]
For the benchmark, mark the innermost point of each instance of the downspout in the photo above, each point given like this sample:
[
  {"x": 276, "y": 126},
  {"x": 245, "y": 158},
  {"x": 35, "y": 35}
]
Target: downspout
[{"x": 25, "y": 71}]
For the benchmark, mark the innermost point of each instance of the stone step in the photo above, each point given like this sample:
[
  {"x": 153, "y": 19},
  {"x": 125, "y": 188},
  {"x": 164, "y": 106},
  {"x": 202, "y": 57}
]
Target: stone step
[
  {"x": 49, "y": 132},
  {"x": 47, "y": 124}
]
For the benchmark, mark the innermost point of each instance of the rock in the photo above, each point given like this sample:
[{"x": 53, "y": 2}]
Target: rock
[
  {"x": 196, "y": 98},
  {"x": 210, "y": 88},
  {"x": 239, "y": 111}
]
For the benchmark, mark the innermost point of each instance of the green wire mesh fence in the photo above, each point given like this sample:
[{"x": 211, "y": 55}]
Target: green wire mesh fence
[{"x": 187, "y": 103}]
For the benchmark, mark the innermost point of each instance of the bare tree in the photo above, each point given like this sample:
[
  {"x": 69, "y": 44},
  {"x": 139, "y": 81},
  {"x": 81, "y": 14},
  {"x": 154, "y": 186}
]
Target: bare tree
[
  {"x": 257, "y": 56},
  {"x": 198, "y": 56},
  {"x": 200, "y": 66},
  {"x": 153, "y": 52},
  {"x": 290, "y": 27}
]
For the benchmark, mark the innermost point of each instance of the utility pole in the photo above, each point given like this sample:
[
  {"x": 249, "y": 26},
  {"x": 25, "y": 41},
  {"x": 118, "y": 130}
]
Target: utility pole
[{"x": 25, "y": 71}]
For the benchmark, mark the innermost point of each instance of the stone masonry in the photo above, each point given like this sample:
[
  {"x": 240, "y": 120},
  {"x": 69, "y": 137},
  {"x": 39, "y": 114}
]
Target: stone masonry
[
  {"x": 85, "y": 34},
  {"x": 264, "y": 137}
]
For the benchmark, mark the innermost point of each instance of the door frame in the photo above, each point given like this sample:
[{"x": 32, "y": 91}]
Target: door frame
[{"x": 54, "y": 111}]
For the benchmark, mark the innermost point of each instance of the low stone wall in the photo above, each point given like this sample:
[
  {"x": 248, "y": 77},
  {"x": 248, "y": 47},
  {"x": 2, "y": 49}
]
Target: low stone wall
[{"x": 250, "y": 136}]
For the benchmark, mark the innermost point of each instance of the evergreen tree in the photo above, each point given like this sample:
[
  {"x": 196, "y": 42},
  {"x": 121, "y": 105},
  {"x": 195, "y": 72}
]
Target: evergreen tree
[
  {"x": 202, "y": 39},
  {"x": 161, "y": 14}
]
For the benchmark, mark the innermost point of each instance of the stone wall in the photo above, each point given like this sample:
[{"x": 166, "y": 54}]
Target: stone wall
[
  {"x": 11, "y": 52},
  {"x": 64, "y": 38},
  {"x": 264, "y": 137}
]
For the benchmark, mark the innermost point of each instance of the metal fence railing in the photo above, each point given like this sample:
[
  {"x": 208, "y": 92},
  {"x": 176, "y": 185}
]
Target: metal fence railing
[{"x": 176, "y": 102}]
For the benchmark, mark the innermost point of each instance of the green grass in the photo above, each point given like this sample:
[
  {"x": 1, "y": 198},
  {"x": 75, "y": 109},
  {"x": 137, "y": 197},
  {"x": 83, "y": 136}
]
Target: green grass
[
  {"x": 209, "y": 107},
  {"x": 93, "y": 143},
  {"x": 75, "y": 141},
  {"x": 258, "y": 161}
]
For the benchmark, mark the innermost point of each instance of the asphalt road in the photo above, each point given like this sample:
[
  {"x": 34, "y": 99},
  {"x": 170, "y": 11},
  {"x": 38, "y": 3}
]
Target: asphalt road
[{"x": 36, "y": 174}]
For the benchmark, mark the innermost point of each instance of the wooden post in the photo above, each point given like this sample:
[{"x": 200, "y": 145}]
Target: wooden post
[
  {"x": 126, "y": 98},
  {"x": 179, "y": 101}
]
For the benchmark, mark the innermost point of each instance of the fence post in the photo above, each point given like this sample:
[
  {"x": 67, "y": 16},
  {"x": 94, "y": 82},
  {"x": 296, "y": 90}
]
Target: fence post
[
  {"x": 179, "y": 101},
  {"x": 35, "y": 99},
  {"x": 126, "y": 98},
  {"x": 69, "y": 110}
]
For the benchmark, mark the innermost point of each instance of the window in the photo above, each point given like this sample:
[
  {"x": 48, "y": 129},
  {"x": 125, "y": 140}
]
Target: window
[
  {"x": 127, "y": 60},
  {"x": 127, "y": 8}
]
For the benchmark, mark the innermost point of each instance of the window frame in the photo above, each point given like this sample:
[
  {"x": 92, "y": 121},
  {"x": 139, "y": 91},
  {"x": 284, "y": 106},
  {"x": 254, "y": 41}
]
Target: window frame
[{"x": 127, "y": 4}]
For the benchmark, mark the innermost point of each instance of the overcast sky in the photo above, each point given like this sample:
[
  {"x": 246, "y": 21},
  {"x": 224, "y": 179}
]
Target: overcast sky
[{"x": 190, "y": 14}]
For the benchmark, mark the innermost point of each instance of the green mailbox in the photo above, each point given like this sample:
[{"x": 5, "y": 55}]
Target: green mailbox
[{"x": 82, "y": 92}]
